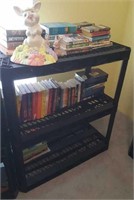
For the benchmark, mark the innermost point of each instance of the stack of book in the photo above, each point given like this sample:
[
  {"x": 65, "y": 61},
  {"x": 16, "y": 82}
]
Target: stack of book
[
  {"x": 80, "y": 25},
  {"x": 73, "y": 43},
  {"x": 35, "y": 151},
  {"x": 98, "y": 35},
  {"x": 53, "y": 29},
  {"x": 10, "y": 38},
  {"x": 93, "y": 83}
]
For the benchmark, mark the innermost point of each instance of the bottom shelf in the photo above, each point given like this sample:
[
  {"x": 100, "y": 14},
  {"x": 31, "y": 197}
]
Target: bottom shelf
[{"x": 76, "y": 148}]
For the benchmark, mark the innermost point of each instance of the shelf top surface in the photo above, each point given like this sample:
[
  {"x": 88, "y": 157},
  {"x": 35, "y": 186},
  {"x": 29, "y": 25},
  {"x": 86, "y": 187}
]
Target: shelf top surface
[{"x": 94, "y": 57}]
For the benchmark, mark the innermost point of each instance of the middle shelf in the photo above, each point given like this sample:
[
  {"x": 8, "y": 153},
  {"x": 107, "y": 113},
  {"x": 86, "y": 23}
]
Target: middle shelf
[{"x": 90, "y": 109}]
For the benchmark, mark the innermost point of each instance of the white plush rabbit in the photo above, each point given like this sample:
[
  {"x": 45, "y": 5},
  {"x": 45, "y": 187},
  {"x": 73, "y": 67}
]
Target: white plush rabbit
[{"x": 31, "y": 21}]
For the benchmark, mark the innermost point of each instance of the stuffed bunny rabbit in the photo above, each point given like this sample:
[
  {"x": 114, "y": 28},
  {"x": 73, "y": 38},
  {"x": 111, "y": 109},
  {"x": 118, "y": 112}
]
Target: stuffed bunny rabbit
[{"x": 31, "y": 21}]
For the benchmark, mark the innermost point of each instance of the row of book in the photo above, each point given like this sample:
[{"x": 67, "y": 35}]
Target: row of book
[{"x": 39, "y": 99}]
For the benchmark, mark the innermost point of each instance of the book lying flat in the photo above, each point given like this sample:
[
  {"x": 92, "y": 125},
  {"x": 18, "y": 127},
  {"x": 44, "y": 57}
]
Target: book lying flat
[
  {"x": 5, "y": 51},
  {"x": 94, "y": 77},
  {"x": 11, "y": 30},
  {"x": 55, "y": 28},
  {"x": 96, "y": 28}
]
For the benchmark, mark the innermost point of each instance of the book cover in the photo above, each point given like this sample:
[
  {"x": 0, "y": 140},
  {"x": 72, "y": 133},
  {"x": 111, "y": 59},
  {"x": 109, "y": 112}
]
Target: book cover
[
  {"x": 93, "y": 91},
  {"x": 72, "y": 89},
  {"x": 77, "y": 49},
  {"x": 50, "y": 96},
  {"x": 18, "y": 99},
  {"x": 55, "y": 28},
  {"x": 39, "y": 99},
  {"x": 9, "y": 45},
  {"x": 5, "y": 51},
  {"x": 57, "y": 94},
  {"x": 100, "y": 44},
  {"x": 73, "y": 39},
  {"x": 54, "y": 95},
  {"x": 12, "y": 38},
  {"x": 72, "y": 46},
  {"x": 24, "y": 104},
  {"x": 12, "y": 30},
  {"x": 46, "y": 98},
  {"x": 29, "y": 102},
  {"x": 78, "y": 91},
  {"x": 82, "y": 24},
  {"x": 95, "y": 28},
  {"x": 95, "y": 76},
  {"x": 64, "y": 95},
  {"x": 34, "y": 150},
  {"x": 98, "y": 38},
  {"x": 34, "y": 100}
]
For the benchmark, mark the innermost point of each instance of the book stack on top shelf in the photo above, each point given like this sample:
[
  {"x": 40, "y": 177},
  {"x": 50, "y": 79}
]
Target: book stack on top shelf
[
  {"x": 11, "y": 37},
  {"x": 76, "y": 38},
  {"x": 54, "y": 29},
  {"x": 98, "y": 35}
]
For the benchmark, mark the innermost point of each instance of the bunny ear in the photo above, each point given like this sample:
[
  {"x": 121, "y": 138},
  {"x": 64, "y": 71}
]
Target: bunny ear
[
  {"x": 18, "y": 10},
  {"x": 37, "y": 6}
]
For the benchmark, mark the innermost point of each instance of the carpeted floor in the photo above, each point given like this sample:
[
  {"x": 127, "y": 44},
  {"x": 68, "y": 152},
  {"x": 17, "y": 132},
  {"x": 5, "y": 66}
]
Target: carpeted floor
[{"x": 109, "y": 175}]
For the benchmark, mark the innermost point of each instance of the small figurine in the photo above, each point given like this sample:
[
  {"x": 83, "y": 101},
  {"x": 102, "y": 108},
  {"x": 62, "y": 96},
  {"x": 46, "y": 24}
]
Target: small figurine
[{"x": 34, "y": 50}]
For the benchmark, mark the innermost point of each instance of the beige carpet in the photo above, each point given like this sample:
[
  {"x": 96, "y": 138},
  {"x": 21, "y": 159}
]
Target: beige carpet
[{"x": 109, "y": 175}]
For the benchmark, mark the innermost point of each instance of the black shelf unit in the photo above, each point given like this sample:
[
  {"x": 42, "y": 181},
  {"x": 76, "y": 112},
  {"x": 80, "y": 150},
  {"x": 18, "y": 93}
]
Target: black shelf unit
[
  {"x": 71, "y": 138},
  {"x": 9, "y": 188}
]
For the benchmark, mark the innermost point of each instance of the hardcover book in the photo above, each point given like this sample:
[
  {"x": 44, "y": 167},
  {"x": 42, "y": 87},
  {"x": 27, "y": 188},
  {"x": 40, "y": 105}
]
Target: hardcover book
[
  {"x": 94, "y": 77},
  {"x": 82, "y": 24},
  {"x": 18, "y": 99},
  {"x": 39, "y": 97},
  {"x": 50, "y": 96},
  {"x": 99, "y": 38},
  {"x": 11, "y": 30},
  {"x": 9, "y": 45},
  {"x": 46, "y": 98},
  {"x": 34, "y": 100},
  {"x": 55, "y": 28},
  {"x": 95, "y": 90},
  {"x": 29, "y": 102},
  {"x": 57, "y": 93},
  {"x": 96, "y": 28},
  {"x": 12, "y": 38},
  {"x": 24, "y": 104},
  {"x": 5, "y": 51},
  {"x": 64, "y": 96}
]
